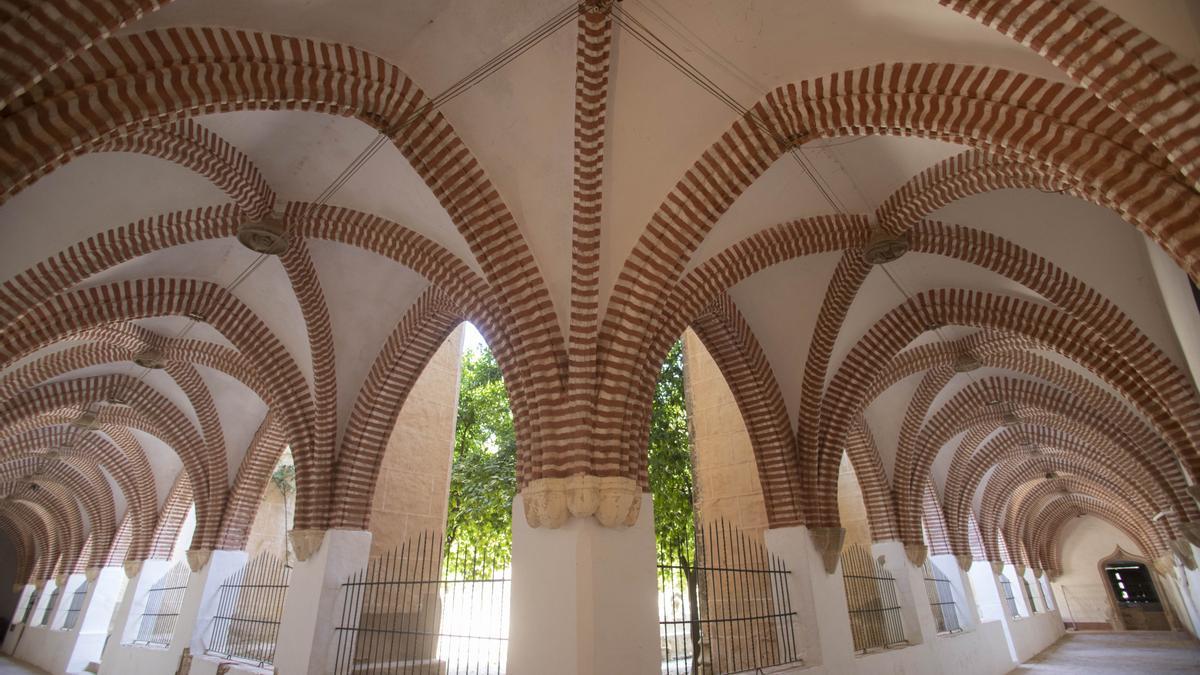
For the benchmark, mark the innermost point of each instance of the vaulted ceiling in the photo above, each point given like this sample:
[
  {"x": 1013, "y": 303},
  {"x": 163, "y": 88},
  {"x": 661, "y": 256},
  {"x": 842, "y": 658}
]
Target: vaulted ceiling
[{"x": 1064, "y": 275}]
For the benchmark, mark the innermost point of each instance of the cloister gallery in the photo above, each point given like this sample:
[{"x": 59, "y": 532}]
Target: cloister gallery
[{"x": 932, "y": 265}]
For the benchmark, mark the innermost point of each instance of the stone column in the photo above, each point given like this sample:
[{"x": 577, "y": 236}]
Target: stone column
[
  {"x": 964, "y": 595},
  {"x": 105, "y": 587},
  {"x": 307, "y": 641},
  {"x": 584, "y": 597},
  {"x": 822, "y": 620},
  {"x": 202, "y": 598}
]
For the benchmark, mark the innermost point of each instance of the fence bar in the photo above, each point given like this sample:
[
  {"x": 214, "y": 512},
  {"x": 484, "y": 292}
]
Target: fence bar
[{"x": 873, "y": 603}]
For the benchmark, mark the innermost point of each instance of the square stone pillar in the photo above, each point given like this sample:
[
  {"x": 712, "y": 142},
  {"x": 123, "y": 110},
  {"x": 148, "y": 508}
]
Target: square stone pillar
[
  {"x": 822, "y": 620},
  {"x": 964, "y": 596},
  {"x": 201, "y": 600},
  {"x": 105, "y": 589},
  {"x": 307, "y": 642},
  {"x": 125, "y": 626},
  {"x": 43, "y": 601},
  {"x": 584, "y": 597},
  {"x": 990, "y": 596}
]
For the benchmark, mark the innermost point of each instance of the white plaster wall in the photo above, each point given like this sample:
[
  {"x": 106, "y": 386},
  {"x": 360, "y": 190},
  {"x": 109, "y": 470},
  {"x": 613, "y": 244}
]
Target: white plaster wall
[{"x": 1080, "y": 590}]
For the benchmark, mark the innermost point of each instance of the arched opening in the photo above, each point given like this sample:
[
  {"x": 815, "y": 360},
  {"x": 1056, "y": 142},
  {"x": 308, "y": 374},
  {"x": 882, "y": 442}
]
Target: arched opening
[{"x": 1133, "y": 593}]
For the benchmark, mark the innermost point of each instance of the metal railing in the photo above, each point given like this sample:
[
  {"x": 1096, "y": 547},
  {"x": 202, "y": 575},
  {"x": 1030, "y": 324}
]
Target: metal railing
[
  {"x": 156, "y": 625},
  {"x": 1030, "y": 596},
  {"x": 423, "y": 609},
  {"x": 49, "y": 609},
  {"x": 76, "y": 605},
  {"x": 941, "y": 599},
  {"x": 731, "y": 609},
  {"x": 1010, "y": 601},
  {"x": 249, "y": 609},
  {"x": 875, "y": 620}
]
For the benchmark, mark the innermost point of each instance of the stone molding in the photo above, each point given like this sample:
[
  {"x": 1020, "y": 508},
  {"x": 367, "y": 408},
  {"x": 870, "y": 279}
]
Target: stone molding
[
  {"x": 132, "y": 567},
  {"x": 305, "y": 543},
  {"x": 829, "y": 541},
  {"x": 92, "y": 573},
  {"x": 917, "y": 553},
  {"x": 965, "y": 560},
  {"x": 614, "y": 501},
  {"x": 198, "y": 558},
  {"x": 997, "y": 567}
]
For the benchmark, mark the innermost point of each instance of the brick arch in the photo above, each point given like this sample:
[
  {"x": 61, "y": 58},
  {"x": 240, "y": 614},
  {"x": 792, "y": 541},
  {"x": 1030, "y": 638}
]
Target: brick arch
[
  {"x": 121, "y": 547},
  {"x": 87, "y": 308},
  {"x": 965, "y": 474},
  {"x": 106, "y": 349},
  {"x": 1049, "y": 520},
  {"x": 171, "y": 518},
  {"x": 252, "y": 477},
  {"x": 196, "y": 148},
  {"x": 148, "y": 411},
  {"x": 23, "y": 547},
  {"x": 931, "y": 356},
  {"x": 250, "y": 70},
  {"x": 63, "y": 508},
  {"x": 1047, "y": 326},
  {"x": 62, "y": 516},
  {"x": 89, "y": 487},
  {"x": 921, "y": 99},
  {"x": 123, "y": 458},
  {"x": 1134, "y": 74},
  {"x": 1104, "y": 429},
  {"x": 937, "y": 533},
  {"x": 42, "y": 545},
  {"x": 45, "y": 34},
  {"x": 1023, "y": 482},
  {"x": 908, "y": 456},
  {"x": 728, "y": 338},
  {"x": 705, "y": 284},
  {"x": 419, "y": 333},
  {"x": 872, "y": 480}
]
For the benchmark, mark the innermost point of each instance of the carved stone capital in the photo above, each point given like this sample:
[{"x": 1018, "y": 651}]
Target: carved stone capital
[
  {"x": 613, "y": 501},
  {"x": 1191, "y": 532},
  {"x": 1020, "y": 570},
  {"x": 965, "y": 560},
  {"x": 917, "y": 553},
  {"x": 132, "y": 567},
  {"x": 828, "y": 541},
  {"x": 997, "y": 567},
  {"x": 197, "y": 558},
  {"x": 39, "y": 585},
  {"x": 1037, "y": 573},
  {"x": 1164, "y": 565},
  {"x": 306, "y": 543},
  {"x": 61, "y": 580},
  {"x": 1183, "y": 550},
  {"x": 91, "y": 574}
]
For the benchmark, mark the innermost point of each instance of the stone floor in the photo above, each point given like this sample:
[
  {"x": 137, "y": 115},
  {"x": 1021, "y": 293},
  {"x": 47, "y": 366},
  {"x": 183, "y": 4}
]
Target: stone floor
[
  {"x": 1116, "y": 653},
  {"x": 11, "y": 667}
]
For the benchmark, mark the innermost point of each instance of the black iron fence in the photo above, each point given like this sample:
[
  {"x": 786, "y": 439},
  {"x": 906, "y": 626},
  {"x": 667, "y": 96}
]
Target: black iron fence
[
  {"x": 76, "y": 605},
  {"x": 941, "y": 599},
  {"x": 1030, "y": 596},
  {"x": 156, "y": 625},
  {"x": 423, "y": 609},
  {"x": 729, "y": 609},
  {"x": 875, "y": 620},
  {"x": 1010, "y": 601},
  {"x": 249, "y": 609},
  {"x": 48, "y": 611}
]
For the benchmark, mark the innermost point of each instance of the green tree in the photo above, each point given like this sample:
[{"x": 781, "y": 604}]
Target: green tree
[
  {"x": 284, "y": 480},
  {"x": 483, "y": 479},
  {"x": 670, "y": 462}
]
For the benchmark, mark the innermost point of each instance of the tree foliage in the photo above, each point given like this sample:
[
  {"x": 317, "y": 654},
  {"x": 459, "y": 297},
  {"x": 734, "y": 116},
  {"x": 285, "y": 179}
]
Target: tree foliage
[
  {"x": 483, "y": 480},
  {"x": 669, "y": 462}
]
